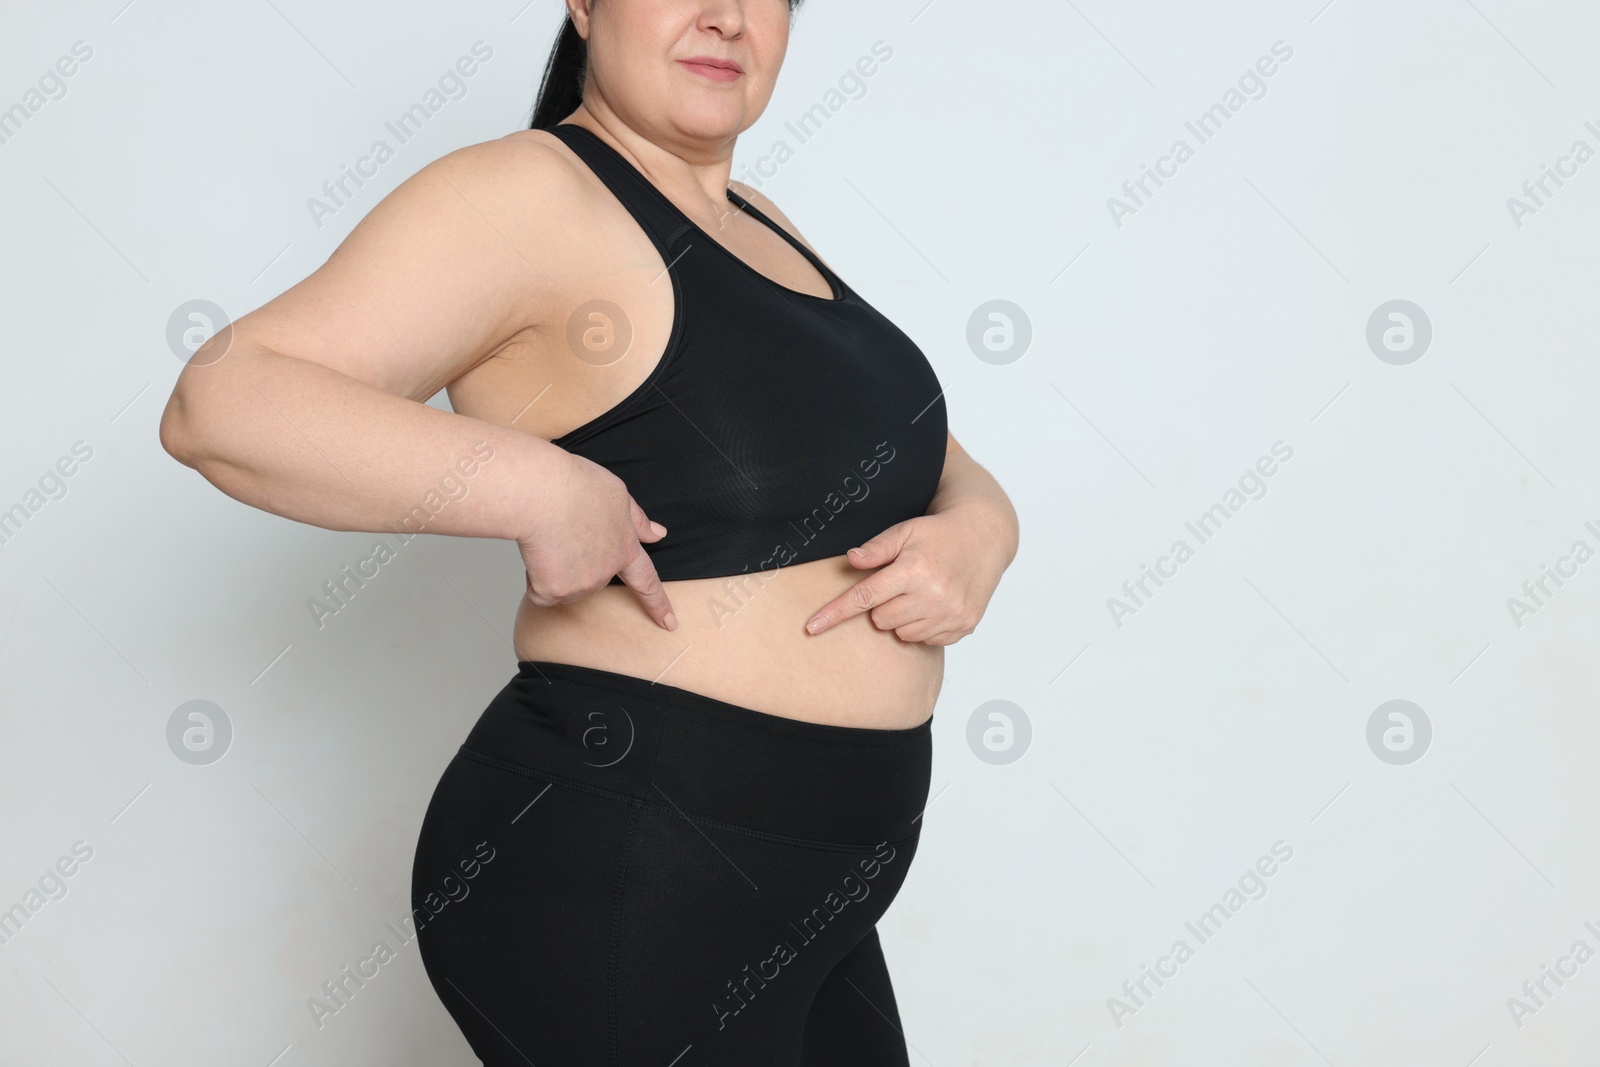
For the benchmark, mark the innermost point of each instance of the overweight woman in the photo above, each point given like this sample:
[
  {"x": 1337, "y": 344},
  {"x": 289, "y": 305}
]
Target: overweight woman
[{"x": 747, "y": 531}]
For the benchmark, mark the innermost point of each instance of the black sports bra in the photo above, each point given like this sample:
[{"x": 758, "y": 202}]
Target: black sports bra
[{"x": 778, "y": 427}]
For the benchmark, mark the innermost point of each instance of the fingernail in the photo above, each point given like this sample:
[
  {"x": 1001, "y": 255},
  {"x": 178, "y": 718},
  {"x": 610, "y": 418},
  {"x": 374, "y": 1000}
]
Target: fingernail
[
  {"x": 814, "y": 625},
  {"x": 658, "y": 528},
  {"x": 857, "y": 552},
  {"x": 671, "y": 620}
]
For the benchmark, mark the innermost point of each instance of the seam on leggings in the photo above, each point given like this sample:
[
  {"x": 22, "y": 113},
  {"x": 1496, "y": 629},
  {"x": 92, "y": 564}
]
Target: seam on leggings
[
  {"x": 747, "y": 831},
  {"x": 613, "y": 1029},
  {"x": 613, "y": 1036}
]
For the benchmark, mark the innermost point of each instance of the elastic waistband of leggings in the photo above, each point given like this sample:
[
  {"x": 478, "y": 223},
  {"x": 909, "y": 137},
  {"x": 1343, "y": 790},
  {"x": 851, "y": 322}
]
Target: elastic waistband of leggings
[{"x": 707, "y": 758}]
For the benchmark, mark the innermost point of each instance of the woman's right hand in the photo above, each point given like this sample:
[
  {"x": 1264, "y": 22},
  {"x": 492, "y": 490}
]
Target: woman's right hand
[{"x": 590, "y": 529}]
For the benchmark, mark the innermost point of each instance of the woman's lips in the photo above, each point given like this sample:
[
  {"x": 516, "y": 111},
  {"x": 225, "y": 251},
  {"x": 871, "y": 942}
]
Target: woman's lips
[{"x": 722, "y": 70}]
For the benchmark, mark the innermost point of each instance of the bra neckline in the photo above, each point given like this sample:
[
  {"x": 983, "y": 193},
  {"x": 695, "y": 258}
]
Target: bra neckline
[{"x": 835, "y": 283}]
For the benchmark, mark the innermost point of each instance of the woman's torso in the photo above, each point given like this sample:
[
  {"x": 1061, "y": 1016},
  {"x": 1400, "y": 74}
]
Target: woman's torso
[{"x": 740, "y": 636}]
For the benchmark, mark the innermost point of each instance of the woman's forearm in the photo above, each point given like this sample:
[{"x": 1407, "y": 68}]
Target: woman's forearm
[
  {"x": 967, "y": 487},
  {"x": 301, "y": 440}
]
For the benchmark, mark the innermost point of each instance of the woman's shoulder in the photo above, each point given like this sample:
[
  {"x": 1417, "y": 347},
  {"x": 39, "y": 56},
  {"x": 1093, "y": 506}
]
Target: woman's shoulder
[
  {"x": 435, "y": 278},
  {"x": 525, "y": 166}
]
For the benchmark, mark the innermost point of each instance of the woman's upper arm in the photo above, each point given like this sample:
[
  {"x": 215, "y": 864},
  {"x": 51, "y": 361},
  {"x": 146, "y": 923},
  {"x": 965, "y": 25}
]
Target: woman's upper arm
[{"x": 439, "y": 274}]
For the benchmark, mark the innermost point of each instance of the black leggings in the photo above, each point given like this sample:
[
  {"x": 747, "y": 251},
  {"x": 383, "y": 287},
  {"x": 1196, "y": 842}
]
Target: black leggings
[{"x": 623, "y": 873}]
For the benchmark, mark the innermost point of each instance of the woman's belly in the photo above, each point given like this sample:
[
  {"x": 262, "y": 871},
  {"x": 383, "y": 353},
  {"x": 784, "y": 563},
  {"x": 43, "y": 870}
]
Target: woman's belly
[{"x": 742, "y": 639}]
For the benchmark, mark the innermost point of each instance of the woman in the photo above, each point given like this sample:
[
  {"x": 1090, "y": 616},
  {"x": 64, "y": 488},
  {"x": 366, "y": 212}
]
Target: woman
[{"x": 669, "y": 837}]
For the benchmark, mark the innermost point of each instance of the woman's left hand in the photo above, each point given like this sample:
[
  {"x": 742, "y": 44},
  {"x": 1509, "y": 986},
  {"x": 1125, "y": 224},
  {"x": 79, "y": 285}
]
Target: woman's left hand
[{"x": 938, "y": 573}]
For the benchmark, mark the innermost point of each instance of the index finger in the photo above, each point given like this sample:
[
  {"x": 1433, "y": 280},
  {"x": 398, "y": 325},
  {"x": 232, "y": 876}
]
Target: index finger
[
  {"x": 868, "y": 593},
  {"x": 640, "y": 576}
]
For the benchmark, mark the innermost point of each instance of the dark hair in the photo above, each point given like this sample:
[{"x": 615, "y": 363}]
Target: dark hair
[{"x": 561, "y": 91}]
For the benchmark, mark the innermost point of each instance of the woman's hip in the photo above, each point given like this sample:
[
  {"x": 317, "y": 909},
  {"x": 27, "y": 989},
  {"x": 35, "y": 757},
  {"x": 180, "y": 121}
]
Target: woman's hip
[
  {"x": 706, "y": 760},
  {"x": 651, "y": 868}
]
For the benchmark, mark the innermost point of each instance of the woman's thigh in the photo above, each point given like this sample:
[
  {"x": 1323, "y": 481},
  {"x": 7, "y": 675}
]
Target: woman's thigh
[{"x": 854, "y": 1021}]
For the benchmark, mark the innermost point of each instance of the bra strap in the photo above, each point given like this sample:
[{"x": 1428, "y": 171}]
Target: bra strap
[
  {"x": 799, "y": 246},
  {"x": 649, "y": 206}
]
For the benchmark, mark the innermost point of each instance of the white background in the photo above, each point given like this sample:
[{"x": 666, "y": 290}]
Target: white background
[{"x": 1168, "y": 354}]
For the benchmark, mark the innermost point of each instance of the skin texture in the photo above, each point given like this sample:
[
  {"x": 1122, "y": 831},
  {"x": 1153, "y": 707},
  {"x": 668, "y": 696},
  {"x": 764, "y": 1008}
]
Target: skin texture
[{"x": 464, "y": 277}]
